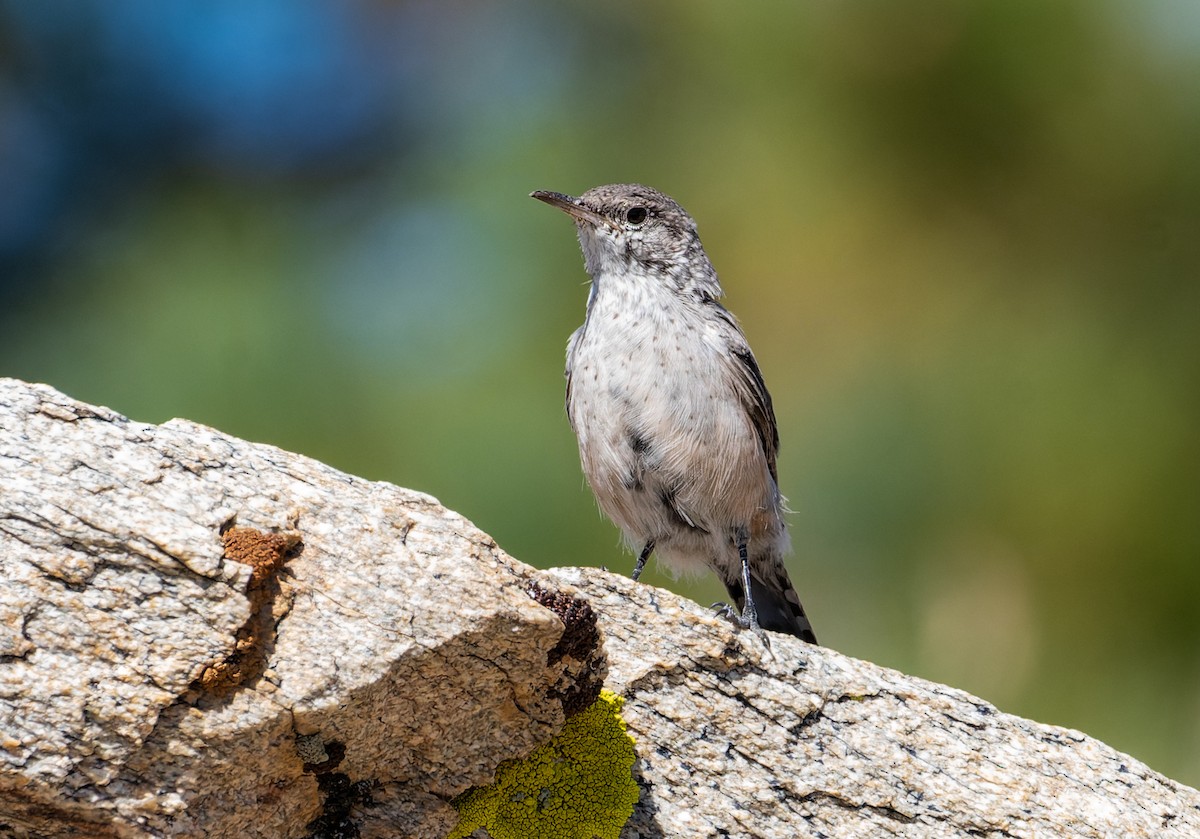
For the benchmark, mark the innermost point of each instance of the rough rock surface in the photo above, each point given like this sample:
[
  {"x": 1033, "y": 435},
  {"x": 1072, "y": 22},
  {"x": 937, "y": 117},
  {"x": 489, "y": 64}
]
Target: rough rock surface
[
  {"x": 803, "y": 741},
  {"x": 201, "y": 636}
]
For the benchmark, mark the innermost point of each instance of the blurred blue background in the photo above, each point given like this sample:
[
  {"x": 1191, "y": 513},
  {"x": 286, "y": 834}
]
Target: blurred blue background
[{"x": 964, "y": 240}]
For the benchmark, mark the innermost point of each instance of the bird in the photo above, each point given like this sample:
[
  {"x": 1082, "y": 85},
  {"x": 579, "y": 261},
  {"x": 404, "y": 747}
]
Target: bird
[{"x": 676, "y": 429}]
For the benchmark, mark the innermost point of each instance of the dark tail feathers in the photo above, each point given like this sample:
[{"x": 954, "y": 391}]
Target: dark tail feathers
[{"x": 778, "y": 606}]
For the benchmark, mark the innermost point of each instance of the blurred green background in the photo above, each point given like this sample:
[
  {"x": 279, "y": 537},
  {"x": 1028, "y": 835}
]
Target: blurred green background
[{"x": 964, "y": 240}]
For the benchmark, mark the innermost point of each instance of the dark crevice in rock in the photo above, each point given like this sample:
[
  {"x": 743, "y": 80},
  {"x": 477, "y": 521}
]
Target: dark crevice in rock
[
  {"x": 580, "y": 641},
  {"x": 581, "y": 635},
  {"x": 844, "y": 803},
  {"x": 341, "y": 795}
]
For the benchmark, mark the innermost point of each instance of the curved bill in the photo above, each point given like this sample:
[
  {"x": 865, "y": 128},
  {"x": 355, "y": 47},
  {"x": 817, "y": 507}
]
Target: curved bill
[{"x": 571, "y": 207}]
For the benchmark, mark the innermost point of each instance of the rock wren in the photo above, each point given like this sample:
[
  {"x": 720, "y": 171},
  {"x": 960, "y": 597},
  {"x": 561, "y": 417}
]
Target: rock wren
[{"x": 675, "y": 426}]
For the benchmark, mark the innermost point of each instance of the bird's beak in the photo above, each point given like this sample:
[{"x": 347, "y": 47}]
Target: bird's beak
[{"x": 572, "y": 207}]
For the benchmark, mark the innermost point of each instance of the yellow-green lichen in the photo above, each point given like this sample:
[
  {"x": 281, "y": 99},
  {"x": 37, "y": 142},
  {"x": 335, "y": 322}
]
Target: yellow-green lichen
[{"x": 577, "y": 786}]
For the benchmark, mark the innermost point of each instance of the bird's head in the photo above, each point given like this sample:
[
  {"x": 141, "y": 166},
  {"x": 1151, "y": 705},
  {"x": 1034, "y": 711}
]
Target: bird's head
[{"x": 633, "y": 229}]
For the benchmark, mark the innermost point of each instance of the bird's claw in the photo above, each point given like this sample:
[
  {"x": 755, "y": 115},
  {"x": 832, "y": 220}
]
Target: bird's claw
[
  {"x": 725, "y": 610},
  {"x": 743, "y": 621}
]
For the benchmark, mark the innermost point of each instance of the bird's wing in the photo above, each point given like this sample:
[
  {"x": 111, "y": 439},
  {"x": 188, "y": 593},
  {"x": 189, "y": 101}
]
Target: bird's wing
[
  {"x": 751, "y": 389},
  {"x": 571, "y": 342}
]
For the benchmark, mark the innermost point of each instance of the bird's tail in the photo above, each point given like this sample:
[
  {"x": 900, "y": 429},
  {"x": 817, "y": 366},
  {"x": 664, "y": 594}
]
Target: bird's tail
[{"x": 775, "y": 600}]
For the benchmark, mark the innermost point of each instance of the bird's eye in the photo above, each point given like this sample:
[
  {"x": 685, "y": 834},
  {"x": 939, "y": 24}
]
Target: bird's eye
[{"x": 636, "y": 215}]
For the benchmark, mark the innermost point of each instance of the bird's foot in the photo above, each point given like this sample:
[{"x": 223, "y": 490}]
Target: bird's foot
[
  {"x": 726, "y": 611},
  {"x": 743, "y": 621}
]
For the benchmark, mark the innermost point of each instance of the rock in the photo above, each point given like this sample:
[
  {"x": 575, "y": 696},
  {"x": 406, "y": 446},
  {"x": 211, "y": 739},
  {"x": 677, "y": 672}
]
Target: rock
[
  {"x": 736, "y": 740},
  {"x": 206, "y": 637},
  {"x": 201, "y": 636}
]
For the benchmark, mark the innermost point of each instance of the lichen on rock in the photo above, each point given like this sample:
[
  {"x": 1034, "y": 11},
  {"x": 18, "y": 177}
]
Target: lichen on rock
[{"x": 577, "y": 786}]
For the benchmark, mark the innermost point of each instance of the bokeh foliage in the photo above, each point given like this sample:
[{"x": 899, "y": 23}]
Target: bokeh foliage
[{"x": 964, "y": 240}]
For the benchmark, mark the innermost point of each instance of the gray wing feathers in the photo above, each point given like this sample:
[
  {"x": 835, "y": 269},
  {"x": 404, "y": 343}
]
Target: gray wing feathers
[{"x": 751, "y": 389}]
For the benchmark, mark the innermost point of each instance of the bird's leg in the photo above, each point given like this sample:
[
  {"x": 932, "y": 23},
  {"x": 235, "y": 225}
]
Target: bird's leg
[
  {"x": 641, "y": 562},
  {"x": 749, "y": 619}
]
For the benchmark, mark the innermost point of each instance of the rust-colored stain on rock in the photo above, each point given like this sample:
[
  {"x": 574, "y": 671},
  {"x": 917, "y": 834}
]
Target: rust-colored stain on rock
[{"x": 266, "y": 554}]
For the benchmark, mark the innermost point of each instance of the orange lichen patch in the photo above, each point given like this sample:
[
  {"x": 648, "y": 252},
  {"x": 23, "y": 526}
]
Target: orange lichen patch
[{"x": 266, "y": 554}]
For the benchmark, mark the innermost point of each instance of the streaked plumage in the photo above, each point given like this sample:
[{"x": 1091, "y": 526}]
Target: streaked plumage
[{"x": 676, "y": 430}]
